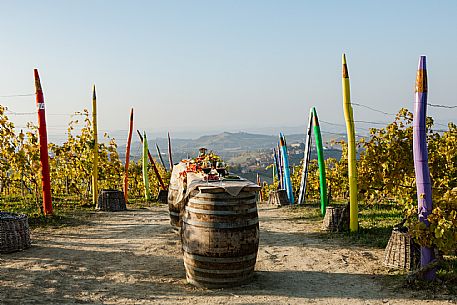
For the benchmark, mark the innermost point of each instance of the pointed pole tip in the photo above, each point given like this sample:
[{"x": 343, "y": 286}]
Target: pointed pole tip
[
  {"x": 343, "y": 57},
  {"x": 422, "y": 62}
]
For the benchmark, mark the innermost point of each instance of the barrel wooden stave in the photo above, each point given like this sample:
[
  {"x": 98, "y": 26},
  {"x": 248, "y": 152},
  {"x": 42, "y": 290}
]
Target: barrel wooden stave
[{"x": 220, "y": 238}]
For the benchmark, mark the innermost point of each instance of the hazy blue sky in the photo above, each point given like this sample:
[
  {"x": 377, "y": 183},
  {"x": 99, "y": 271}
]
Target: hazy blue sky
[{"x": 224, "y": 65}]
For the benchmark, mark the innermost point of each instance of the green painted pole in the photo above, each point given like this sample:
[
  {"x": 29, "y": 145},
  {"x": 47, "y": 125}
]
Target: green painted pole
[
  {"x": 147, "y": 193},
  {"x": 320, "y": 161}
]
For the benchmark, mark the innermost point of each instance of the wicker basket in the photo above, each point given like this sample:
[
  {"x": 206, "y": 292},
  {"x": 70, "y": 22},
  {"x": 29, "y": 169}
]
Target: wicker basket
[
  {"x": 336, "y": 219},
  {"x": 14, "y": 232},
  {"x": 278, "y": 197},
  {"x": 111, "y": 200},
  {"x": 401, "y": 251}
]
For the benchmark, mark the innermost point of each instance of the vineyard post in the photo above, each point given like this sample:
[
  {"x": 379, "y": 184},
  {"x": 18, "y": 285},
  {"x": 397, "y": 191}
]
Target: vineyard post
[
  {"x": 276, "y": 167},
  {"x": 95, "y": 161},
  {"x": 285, "y": 159},
  {"x": 281, "y": 167},
  {"x": 352, "y": 165},
  {"x": 127, "y": 158},
  {"x": 147, "y": 194},
  {"x": 306, "y": 158},
  {"x": 420, "y": 154},
  {"x": 170, "y": 158},
  {"x": 320, "y": 161},
  {"x": 153, "y": 164},
  {"x": 160, "y": 156},
  {"x": 259, "y": 184},
  {"x": 44, "y": 157}
]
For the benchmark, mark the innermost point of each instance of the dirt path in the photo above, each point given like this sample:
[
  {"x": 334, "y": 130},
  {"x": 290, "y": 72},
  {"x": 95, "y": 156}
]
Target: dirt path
[{"x": 134, "y": 257}]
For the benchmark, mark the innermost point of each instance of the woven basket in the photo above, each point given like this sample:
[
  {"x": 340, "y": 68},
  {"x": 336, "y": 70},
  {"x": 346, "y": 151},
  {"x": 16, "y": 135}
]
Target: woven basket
[
  {"x": 111, "y": 200},
  {"x": 401, "y": 251},
  {"x": 336, "y": 219},
  {"x": 278, "y": 197},
  {"x": 14, "y": 232}
]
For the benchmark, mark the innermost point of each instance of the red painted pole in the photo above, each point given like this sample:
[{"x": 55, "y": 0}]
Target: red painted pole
[
  {"x": 127, "y": 159},
  {"x": 44, "y": 157}
]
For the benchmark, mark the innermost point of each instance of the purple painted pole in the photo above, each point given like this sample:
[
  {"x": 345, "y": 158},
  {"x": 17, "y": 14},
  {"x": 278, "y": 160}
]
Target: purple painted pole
[{"x": 423, "y": 184}]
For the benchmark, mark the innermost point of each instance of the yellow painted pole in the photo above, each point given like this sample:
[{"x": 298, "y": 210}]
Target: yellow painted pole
[
  {"x": 95, "y": 162},
  {"x": 349, "y": 118}
]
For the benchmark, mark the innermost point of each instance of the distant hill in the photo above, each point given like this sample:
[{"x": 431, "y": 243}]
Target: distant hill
[{"x": 226, "y": 144}]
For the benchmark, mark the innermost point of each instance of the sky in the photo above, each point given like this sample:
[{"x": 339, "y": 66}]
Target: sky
[{"x": 200, "y": 67}]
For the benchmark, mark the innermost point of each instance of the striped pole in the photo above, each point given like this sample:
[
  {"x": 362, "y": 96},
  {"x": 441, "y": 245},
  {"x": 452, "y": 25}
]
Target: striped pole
[
  {"x": 352, "y": 165},
  {"x": 320, "y": 161},
  {"x": 420, "y": 155},
  {"x": 127, "y": 158},
  {"x": 306, "y": 158},
  {"x": 95, "y": 153},
  {"x": 44, "y": 157}
]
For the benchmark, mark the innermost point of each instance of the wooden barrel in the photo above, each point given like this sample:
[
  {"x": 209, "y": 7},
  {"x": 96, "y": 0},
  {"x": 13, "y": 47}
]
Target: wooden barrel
[
  {"x": 220, "y": 238},
  {"x": 111, "y": 200},
  {"x": 174, "y": 208}
]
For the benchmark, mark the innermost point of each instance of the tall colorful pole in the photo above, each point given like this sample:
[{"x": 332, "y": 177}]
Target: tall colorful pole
[
  {"x": 276, "y": 166},
  {"x": 147, "y": 194},
  {"x": 320, "y": 161},
  {"x": 259, "y": 183},
  {"x": 95, "y": 162},
  {"x": 153, "y": 164},
  {"x": 281, "y": 168},
  {"x": 350, "y": 128},
  {"x": 285, "y": 159},
  {"x": 306, "y": 158},
  {"x": 170, "y": 157},
  {"x": 44, "y": 157},
  {"x": 160, "y": 156},
  {"x": 423, "y": 183},
  {"x": 127, "y": 158}
]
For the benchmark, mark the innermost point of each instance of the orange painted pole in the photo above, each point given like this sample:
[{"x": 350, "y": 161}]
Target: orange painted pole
[
  {"x": 154, "y": 167},
  {"x": 127, "y": 159},
  {"x": 44, "y": 157}
]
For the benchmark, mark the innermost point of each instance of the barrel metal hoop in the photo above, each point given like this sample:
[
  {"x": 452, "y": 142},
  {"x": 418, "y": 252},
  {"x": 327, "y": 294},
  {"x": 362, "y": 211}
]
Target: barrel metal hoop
[
  {"x": 221, "y": 198},
  {"x": 207, "y": 259},
  {"x": 215, "y": 271},
  {"x": 211, "y": 212},
  {"x": 214, "y": 225},
  {"x": 199, "y": 279},
  {"x": 194, "y": 200}
]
